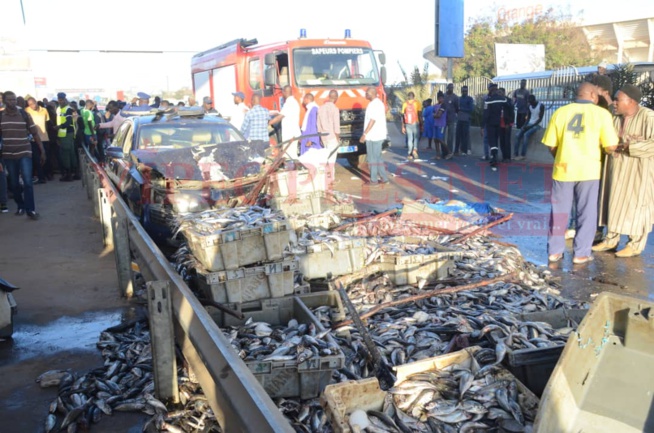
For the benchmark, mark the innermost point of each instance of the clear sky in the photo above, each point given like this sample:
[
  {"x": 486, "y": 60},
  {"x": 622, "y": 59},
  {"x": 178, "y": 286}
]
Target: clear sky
[{"x": 402, "y": 29}]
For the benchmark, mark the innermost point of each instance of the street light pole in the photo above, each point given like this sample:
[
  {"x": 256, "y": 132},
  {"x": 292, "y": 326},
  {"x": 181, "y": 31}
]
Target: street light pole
[{"x": 22, "y": 9}]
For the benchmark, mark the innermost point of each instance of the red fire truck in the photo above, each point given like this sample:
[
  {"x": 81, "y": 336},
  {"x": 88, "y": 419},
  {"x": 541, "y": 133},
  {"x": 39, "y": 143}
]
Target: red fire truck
[{"x": 308, "y": 65}]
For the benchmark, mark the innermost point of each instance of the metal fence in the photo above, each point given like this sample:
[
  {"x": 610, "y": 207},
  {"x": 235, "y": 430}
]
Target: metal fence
[{"x": 555, "y": 91}]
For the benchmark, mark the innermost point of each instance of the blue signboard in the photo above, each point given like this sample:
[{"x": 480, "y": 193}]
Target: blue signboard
[{"x": 449, "y": 28}]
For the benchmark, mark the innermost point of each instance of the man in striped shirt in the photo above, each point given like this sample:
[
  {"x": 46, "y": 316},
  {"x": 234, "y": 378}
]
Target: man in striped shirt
[{"x": 15, "y": 128}]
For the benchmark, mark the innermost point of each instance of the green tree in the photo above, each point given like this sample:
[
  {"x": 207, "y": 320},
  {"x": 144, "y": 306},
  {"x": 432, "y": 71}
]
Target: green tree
[
  {"x": 565, "y": 44},
  {"x": 625, "y": 74},
  {"x": 417, "y": 82}
]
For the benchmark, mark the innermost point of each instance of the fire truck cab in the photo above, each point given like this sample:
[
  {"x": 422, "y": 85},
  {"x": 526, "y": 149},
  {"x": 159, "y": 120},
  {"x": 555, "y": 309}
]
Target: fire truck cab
[{"x": 308, "y": 65}]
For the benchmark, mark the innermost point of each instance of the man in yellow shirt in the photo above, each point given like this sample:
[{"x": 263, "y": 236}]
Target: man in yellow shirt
[
  {"x": 41, "y": 118},
  {"x": 576, "y": 135}
]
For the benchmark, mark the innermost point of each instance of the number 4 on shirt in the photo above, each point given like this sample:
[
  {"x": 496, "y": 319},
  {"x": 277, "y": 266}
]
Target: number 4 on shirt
[{"x": 576, "y": 124}]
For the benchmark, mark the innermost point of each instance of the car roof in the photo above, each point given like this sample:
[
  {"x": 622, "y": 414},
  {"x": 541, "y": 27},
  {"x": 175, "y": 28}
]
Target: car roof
[{"x": 163, "y": 120}]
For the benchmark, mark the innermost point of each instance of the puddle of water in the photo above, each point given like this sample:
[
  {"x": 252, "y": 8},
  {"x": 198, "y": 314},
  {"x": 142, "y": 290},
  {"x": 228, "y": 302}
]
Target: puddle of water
[{"x": 67, "y": 333}]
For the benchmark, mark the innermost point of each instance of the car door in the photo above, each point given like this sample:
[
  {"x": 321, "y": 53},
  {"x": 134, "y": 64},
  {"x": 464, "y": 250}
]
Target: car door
[{"x": 119, "y": 167}]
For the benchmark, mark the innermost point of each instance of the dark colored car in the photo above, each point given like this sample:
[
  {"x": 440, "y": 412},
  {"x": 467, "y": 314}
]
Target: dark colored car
[{"x": 172, "y": 163}]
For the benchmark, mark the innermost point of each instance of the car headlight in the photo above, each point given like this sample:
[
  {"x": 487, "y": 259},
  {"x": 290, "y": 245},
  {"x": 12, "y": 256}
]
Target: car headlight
[{"x": 185, "y": 203}]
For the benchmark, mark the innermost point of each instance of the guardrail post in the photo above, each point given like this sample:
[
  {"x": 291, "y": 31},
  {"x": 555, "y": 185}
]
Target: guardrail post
[
  {"x": 162, "y": 338},
  {"x": 84, "y": 167},
  {"x": 89, "y": 182},
  {"x": 105, "y": 218},
  {"x": 123, "y": 255},
  {"x": 94, "y": 196}
]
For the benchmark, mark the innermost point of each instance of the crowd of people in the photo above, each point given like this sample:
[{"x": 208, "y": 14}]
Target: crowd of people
[
  {"x": 446, "y": 123},
  {"x": 39, "y": 138}
]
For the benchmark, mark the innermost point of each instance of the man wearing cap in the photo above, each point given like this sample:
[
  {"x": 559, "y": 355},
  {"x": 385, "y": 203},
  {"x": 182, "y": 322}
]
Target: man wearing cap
[
  {"x": 143, "y": 103},
  {"x": 628, "y": 209},
  {"x": 240, "y": 109},
  {"x": 66, "y": 138},
  {"x": 207, "y": 106}
]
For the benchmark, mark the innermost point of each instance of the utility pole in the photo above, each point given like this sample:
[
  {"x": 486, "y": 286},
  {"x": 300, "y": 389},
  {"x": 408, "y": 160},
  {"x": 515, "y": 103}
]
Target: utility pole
[
  {"x": 22, "y": 9},
  {"x": 450, "y": 74}
]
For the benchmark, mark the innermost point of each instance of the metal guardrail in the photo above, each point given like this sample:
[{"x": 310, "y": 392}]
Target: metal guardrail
[{"x": 236, "y": 397}]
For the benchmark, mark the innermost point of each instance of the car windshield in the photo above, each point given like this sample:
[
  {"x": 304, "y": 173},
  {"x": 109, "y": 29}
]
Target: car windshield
[
  {"x": 335, "y": 66},
  {"x": 202, "y": 151},
  {"x": 183, "y": 135}
]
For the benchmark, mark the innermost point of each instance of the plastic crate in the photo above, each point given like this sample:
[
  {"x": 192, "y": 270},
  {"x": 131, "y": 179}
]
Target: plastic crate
[
  {"x": 410, "y": 269},
  {"x": 603, "y": 381},
  {"x": 272, "y": 280},
  {"x": 223, "y": 319},
  {"x": 326, "y": 299},
  {"x": 533, "y": 367},
  {"x": 340, "y": 400},
  {"x": 288, "y": 378},
  {"x": 297, "y": 182},
  {"x": 233, "y": 249},
  {"x": 324, "y": 220},
  {"x": 339, "y": 258},
  {"x": 313, "y": 203}
]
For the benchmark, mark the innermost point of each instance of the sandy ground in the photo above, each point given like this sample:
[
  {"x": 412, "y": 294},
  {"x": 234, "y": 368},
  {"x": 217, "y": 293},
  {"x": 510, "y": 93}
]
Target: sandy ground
[{"x": 68, "y": 294}]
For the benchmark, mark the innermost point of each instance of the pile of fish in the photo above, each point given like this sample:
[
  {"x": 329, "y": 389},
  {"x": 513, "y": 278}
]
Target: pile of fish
[
  {"x": 305, "y": 416},
  {"x": 389, "y": 226},
  {"x": 398, "y": 246},
  {"x": 125, "y": 383},
  {"x": 460, "y": 399},
  {"x": 446, "y": 323},
  {"x": 214, "y": 221},
  {"x": 306, "y": 237},
  {"x": 261, "y": 341},
  {"x": 325, "y": 220},
  {"x": 463, "y": 397}
]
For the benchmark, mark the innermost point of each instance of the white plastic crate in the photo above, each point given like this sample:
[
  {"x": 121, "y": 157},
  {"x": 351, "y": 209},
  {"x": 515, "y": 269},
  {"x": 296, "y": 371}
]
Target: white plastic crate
[
  {"x": 291, "y": 379},
  {"x": 233, "y": 249},
  {"x": 272, "y": 280},
  {"x": 339, "y": 258},
  {"x": 297, "y": 182}
]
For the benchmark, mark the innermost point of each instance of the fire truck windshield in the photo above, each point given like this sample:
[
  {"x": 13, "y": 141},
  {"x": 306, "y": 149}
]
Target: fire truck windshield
[{"x": 335, "y": 66}]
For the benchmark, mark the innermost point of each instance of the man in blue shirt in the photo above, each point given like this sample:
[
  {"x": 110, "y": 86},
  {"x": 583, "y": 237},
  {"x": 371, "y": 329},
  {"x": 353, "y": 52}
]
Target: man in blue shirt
[
  {"x": 255, "y": 122},
  {"x": 466, "y": 107},
  {"x": 143, "y": 101}
]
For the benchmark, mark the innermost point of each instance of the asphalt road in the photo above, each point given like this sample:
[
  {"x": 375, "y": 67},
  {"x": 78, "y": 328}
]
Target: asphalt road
[{"x": 521, "y": 187}]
